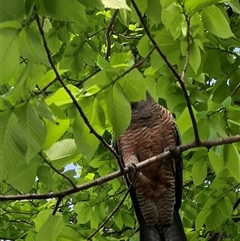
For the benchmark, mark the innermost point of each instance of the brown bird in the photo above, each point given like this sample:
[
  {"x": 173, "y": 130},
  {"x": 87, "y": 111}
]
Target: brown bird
[{"x": 157, "y": 188}]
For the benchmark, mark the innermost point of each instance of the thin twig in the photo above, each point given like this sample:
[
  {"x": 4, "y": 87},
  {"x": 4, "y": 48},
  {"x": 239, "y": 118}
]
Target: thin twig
[
  {"x": 115, "y": 209},
  {"x": 107, "y": 34},
  {"x": 99, "y": 181},
  {"x": 235, "y": 90},
  {"x": 235, "y": 205},
  {"x": 86, "y": 121},
  {"x": 57, "y": 206},
  {"x": 175, "y": 73},
  {"x": 58, "y": 172},
  {"x": 79, "y": 85}
]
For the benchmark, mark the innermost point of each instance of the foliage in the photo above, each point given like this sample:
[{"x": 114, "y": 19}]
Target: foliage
[{"x": 69, "y": 70}]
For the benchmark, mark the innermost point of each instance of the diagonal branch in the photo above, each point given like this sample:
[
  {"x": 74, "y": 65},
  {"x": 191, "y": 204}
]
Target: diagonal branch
[
  {"x": 91, "y": 129},
  {"x": 235, "y": 90},
  {"x": 99, "y": 181},
  {"x": 175, "y": 73},
  {"x": 58, "y": 172}
]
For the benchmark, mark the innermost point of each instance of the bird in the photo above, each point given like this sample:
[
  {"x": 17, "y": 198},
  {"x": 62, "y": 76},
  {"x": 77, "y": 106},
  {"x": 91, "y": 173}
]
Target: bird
[{"x": 156, "y": 189}]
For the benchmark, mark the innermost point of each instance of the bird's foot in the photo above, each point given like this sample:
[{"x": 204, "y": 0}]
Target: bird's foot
[
  {"x": 133, "y": 171},
  {"x": 173, "y": 150}
]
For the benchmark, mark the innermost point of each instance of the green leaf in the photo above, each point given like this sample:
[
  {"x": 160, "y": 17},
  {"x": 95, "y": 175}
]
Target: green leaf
[
  {"x": 27, "y": 81},
  {"x": 154, "y": 11},
  {"x": 122, "y": 60},
  {"x": 127, "y": 219},
  {"x": 61, "y": 97},
  {"x": 33, "y": 127},
  {"x": 51, "y": 228},
  {"x": 9, "y": 54},
  {"x": 199, "y": 169},
  {"x": 216, "y": 23},
  {"x": 115, "y": 4},
  {"x": 31, "y": 46},
  {"x": 143, "y": 46},
  {"x": 86, "y": 142},
  {"x": 195, "y": 56},
  {"x": 173, "y": 19},
  {"x": 200, "y": 220},
  {"x": 65, "y": 10},
  {"x": 55, "y": 131},
  {"x": 117, "y": 109},
  {"x": 41, "y": 218},
  {"x": 84, "y": 212},
  {"x": 69, "y": 234},
  {"x": 23, "y": 177},
  {"x": 118, "y": 220},
  {"x": 216, "y": 162},
  {"x": 63, "y": 152},
  {"x": 196, "y": 5},
  {"x": 49, "y": 77},
  {"x": 133, "y": 85},
  {"x": 11, "y": 10},
  {"x": 45, "y": 176},
  {"x": 232, "y": 158},
  {"x": 214, "y": 219},
  {"x": 12, "y": 142},
  {"x": 225, "y": 207}
]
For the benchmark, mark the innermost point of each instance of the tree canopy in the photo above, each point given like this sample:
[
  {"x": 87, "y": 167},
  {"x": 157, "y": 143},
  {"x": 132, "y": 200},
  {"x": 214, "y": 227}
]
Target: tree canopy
[{"x": 69, "y": 71}]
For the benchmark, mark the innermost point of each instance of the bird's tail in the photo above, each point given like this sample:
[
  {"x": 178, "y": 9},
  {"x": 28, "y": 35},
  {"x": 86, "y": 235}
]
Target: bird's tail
[{"x": 174, "y": 232}]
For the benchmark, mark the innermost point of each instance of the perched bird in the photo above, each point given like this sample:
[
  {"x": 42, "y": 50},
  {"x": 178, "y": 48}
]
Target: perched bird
[{"x": 157, "y": 189}]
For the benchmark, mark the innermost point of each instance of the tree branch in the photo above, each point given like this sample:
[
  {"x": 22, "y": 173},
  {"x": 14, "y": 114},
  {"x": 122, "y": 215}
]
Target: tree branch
[
  {"x": 58, "y": 172},
  {"x": 57, "y": 206},
  {"x": 235, "y": 90},
  {"x": 92, "y": 130},
  {"x": 207, "y": 143},
  {"x": 175, "y": 73}
]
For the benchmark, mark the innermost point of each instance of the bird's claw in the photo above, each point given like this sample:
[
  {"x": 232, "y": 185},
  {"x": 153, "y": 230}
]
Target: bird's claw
[
  {"x": 133, "y": 170},
  {"x": 173, "y": 150}
]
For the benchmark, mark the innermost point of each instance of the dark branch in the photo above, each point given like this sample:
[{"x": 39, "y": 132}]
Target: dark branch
[
  {"x": 57, "y": 206},
  {"x": 92, "y": 130},
  {"x": 235, "y": 90},
  {"x": 175, "y": 73},
  {"x": 58, "y": 172},
  {"x": 207, "y": 143}
]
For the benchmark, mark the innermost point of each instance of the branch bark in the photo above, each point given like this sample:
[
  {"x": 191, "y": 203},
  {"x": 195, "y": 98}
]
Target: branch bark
[
  {"x": 175, "y": 73},
  {"x": 58, "y": 77},
  {"x": 206, "y": 143}
]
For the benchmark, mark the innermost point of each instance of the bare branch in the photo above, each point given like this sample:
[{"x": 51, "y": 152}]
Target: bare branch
[
  {"x": 175, "y": 73},
  {"x": 107, "y": 34},
  {"x": 235, "y": 90},
  {"x": 207, "y": 143},
  {"x": 92, "y": 130},
  {"x": 57, "y": 206},
  {"x": 235, "y": 205}
]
